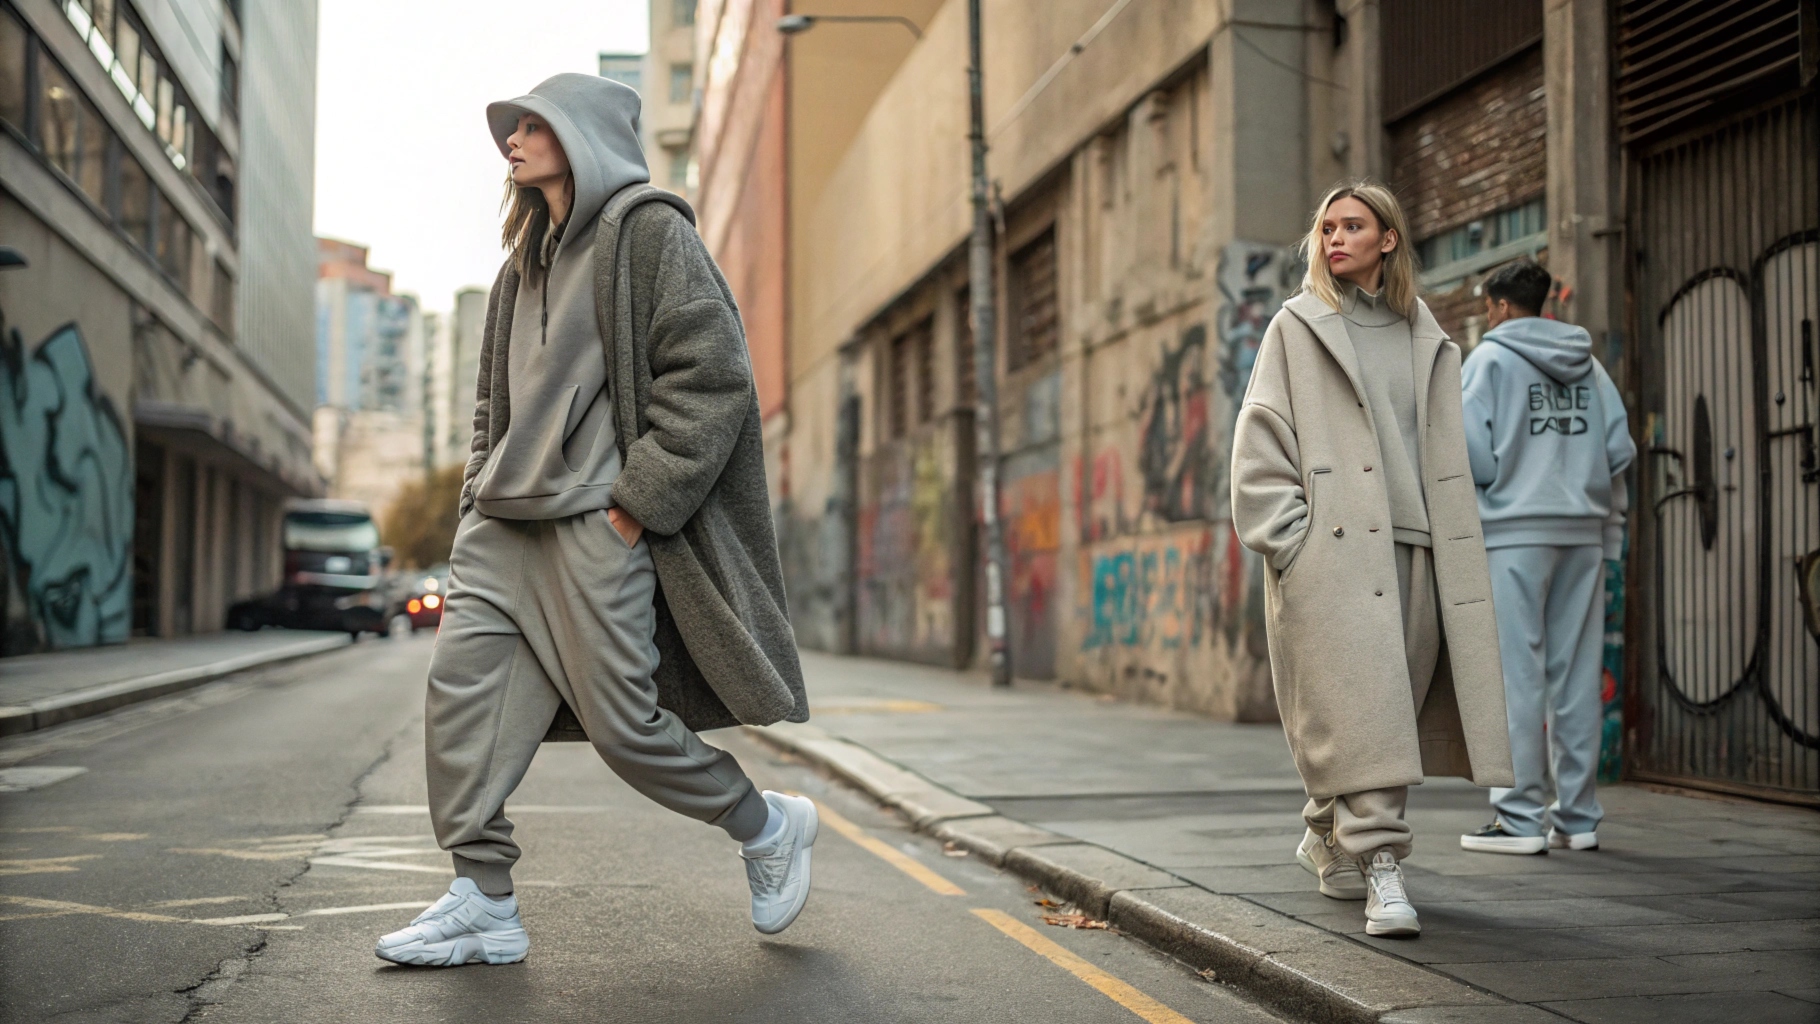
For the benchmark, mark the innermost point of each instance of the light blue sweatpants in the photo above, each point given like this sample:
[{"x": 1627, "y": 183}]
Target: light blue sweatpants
[{"x": 1551, "y": 624}]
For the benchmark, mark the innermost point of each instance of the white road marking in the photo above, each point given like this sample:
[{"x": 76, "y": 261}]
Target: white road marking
[
  {"x": 319, "y": 912},
  {"x": 18, "y": 780},
  {"x": 378, "y": 865},
  {"x": 44, "y": 865}
]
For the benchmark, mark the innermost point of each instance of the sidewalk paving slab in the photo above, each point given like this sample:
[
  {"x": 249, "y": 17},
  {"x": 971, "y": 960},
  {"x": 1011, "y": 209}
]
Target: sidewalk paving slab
[
  {"x": 41, "y": 690},
  {"x": 1181, "y": 832}
]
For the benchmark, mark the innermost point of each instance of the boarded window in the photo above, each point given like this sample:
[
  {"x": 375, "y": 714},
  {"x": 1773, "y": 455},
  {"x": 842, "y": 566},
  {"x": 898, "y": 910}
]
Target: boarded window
[
  {"x": 923, "y": 343},
  {"x": 1035, "y": 322},
  {"x": 1430, "y": 47},
  {"x": 897, "y": 408}
]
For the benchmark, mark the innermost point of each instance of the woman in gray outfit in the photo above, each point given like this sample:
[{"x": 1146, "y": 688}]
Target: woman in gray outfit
[
  {"x": 615, "y": 552},
  {"x": 1350, "y": 477}
]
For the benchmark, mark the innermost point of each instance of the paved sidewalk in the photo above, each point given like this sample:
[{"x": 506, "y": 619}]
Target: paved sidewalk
[
  {"x": 1696, "y": 909},
  {"x": 41, "y": 690}
]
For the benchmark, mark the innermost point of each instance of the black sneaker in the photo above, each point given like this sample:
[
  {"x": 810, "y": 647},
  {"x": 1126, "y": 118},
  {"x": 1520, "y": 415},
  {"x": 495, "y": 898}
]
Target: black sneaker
[{"x": 1494, "y": 838}]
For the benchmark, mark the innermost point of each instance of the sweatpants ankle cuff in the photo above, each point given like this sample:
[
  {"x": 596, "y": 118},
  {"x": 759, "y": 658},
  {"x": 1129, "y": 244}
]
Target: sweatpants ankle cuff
[
  {"x": 493, "y": 879},
  {"x": 747, "y": 818}
]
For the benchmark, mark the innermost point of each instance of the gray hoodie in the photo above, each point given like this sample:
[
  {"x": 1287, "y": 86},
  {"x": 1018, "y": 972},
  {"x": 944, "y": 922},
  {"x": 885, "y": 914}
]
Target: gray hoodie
[
  {"x": 559, "y": 455},
  {"x": 1547, "y": 437}
]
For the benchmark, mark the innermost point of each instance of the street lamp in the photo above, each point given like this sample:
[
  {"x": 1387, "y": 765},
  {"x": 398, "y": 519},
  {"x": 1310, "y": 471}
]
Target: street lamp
[
  {"x": 980, "y": 291},
  {"x": 792, "y": 24}
]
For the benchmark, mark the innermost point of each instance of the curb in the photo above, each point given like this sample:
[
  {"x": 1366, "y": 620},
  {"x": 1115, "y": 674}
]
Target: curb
[
  {"x": 95, "y": 700},
  {"x": 1290, "y": 966}
]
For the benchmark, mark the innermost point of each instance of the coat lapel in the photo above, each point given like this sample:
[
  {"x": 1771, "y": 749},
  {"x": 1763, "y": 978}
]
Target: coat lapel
[
  {"x": 1326, "y": 324},
  {"x": 1426, "y": 338}
]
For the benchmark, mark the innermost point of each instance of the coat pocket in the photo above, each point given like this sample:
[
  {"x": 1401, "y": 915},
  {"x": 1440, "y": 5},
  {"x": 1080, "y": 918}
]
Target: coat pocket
[{"x": 1309, "y": 487}]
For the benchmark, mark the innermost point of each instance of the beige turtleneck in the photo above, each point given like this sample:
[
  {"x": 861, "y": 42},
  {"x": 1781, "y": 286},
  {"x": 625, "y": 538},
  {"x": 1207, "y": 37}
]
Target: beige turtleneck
[{"x": 1380, "y": 336}]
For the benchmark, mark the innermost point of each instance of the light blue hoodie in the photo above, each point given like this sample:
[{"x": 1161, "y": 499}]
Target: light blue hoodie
[{"x": 1547, "y": 437}]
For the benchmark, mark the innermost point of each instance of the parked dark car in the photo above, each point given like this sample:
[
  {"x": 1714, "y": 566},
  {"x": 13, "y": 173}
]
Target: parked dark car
[
  {"x": 424, "y": 594},
  {"x": 335, "y": 574}
]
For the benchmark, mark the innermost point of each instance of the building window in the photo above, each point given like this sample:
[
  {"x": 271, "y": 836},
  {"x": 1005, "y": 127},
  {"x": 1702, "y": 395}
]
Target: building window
[
  {"x": 682, "y": 13},
  {"x": 625, "y": 68},
  {"x": 15, "y": 92},
  {"x": 1035, "y": 321},
  {"x": 1486, "y": 242},
  {"x": 121, "y": 45},
  {"x": 897, "y": 405},
  {"x": 221, "y": 300},
  {"x": 679, "y": 169},
  {"x": 682, "y": 82},
  {"x": 71, "y": 132},
  {"x": 134, "y": 214}
]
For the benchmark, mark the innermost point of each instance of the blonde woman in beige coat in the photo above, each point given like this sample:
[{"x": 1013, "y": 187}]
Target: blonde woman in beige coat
[{"x": 1350, "y": 476}]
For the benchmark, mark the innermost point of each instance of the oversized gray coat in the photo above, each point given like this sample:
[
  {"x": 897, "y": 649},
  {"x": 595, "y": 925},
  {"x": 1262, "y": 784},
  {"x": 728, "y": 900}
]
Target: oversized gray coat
[
  {"x": 1304, "y": 494},
  {"x": 686, "y": 412}
]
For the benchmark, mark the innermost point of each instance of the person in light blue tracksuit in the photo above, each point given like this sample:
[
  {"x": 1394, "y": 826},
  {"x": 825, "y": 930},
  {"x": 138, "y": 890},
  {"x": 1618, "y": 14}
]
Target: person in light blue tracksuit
[{"x": 1549, "y": 443}]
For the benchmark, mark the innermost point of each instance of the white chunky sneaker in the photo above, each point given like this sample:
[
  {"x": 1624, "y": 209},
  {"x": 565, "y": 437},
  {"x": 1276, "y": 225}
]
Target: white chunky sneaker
[
  {"x": 464, "y": 927},
  {"x": 1559, "y": 840},
  {"x": 779, "y": 871},
  {"x": 1495, "y": 838},
  {"x": 1387, "y": 909},
  {"x": 1339, "y": 874}
]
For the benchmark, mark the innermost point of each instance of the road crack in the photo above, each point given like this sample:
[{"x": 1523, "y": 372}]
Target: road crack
[{"x": 212, "y": 988}]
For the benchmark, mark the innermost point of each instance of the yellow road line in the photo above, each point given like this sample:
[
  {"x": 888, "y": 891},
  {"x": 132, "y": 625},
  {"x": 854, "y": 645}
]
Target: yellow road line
[
  {"x": 886, "y": 852},
  {"x": 1109, "y": 986}
]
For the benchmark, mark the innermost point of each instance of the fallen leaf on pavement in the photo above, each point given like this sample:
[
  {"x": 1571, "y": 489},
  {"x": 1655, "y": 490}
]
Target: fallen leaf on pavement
[
  {"x": 1080, "y": 921},
  {"x": 1046, "y": 902},
  {"x": 1209, "y": 974},
  {"x": 951, "y": 850}
]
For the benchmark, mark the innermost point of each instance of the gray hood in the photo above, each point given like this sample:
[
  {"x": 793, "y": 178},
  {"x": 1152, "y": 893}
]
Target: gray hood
[
  {"x": 1562, "y": 351},
  {"x": 596, "y": 120}
]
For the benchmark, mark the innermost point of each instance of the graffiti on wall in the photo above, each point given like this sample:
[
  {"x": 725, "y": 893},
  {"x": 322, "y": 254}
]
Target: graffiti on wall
[
  {"x": 66, "y": 498},
  {"x": 1255, "y": 279},
  {"x": 1157, "y": 593},
  {"x": 1175, "y": 453},
  {"x": 1031, "y": 506},
  {"x": 906, "y": 597}
]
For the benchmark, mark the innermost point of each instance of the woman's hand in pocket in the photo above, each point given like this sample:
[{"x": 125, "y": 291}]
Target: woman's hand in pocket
[{"x": 629, "y": 529}]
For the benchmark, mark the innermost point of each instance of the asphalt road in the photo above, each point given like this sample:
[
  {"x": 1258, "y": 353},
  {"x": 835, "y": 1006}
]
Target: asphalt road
[{"x": 231, "y": 854}]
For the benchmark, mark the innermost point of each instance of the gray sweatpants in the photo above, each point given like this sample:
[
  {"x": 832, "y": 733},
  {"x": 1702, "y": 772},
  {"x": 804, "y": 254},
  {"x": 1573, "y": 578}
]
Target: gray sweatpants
[
  {"x": 1551, "y": 637},
  {"x": 540, "y": 612},
  {"x": 1364, "y": 822}
]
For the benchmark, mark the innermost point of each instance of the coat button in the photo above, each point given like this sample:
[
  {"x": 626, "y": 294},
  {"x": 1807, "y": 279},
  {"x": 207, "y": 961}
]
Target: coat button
[
  {"x": 1339, "y": 531},
  {"x": 1380, "y": 593},
  {"x": 1367, "y": 469}
]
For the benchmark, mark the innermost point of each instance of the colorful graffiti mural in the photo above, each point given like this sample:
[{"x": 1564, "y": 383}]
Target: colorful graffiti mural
[
  {"x": 1255, "y": 279},
  {"x": 1175, "y": 454},
  {"x": 1031, "y": 504},
  {"x": 66, "y": 498},
  {"x": 1611, "y": 742},
  {"x": 1158, "y": 593},
  {"x": 906, "y": 597}
]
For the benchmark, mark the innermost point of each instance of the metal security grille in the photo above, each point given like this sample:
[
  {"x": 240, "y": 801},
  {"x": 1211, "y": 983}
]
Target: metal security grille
[
  {"x": 1456, "y": 43},
  {"x": 1680, "y": 60},
  {"x": 1036, "y": 326},
  {"x": 1726, "y": 274}
]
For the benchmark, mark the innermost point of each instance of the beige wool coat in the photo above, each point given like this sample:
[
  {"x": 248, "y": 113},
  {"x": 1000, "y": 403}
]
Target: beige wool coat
[{"x": 1307, "y": 496}]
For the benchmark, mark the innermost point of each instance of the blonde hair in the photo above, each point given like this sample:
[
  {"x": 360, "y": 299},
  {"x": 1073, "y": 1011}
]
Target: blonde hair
[
  {"x": 1399, "y": 263},
  {"x": 527, "y": 221}
]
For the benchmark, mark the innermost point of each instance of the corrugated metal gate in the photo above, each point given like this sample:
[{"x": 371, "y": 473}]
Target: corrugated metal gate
[{"x": 1725, "y": 274}]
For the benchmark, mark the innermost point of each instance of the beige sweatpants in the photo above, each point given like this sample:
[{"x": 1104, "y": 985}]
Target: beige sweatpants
[
  {"x": 540, "y": 612},
  {"x": 1365, "y": 822}
]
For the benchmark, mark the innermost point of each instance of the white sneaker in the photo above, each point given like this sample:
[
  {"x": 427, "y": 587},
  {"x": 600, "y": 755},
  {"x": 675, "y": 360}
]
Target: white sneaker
[
  {"x": 1339, "y": 874},
  {"x": 1494, "y": 838},
  {"x": 1558, "y": 840},
  {"x": 1387, "y": 908},
  {"x": 779, "y": 871},
  {"x": 464, "y": 927}
]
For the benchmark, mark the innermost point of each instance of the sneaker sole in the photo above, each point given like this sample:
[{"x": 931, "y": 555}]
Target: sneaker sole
[
  {"x": 492, "y": 948},
  {"x": 805, "y": 851},
  {"x": 1395, "y": 928},
  {"x": 1565, "y": 843},
  {"x": 1519, "y": 846}
]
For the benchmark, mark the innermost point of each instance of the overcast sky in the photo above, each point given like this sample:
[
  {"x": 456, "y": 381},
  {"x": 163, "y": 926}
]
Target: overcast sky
[{"x": 404, "y": 163}]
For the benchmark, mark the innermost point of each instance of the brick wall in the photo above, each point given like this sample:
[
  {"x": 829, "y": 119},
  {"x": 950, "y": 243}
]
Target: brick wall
[
  {"x": 1477, "y": 151},
  {"x": 1473, "y": 153}
]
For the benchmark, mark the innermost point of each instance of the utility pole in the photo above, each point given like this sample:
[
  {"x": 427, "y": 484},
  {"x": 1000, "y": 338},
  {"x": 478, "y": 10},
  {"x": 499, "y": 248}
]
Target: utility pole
[{"x": 980, "y": 292}]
